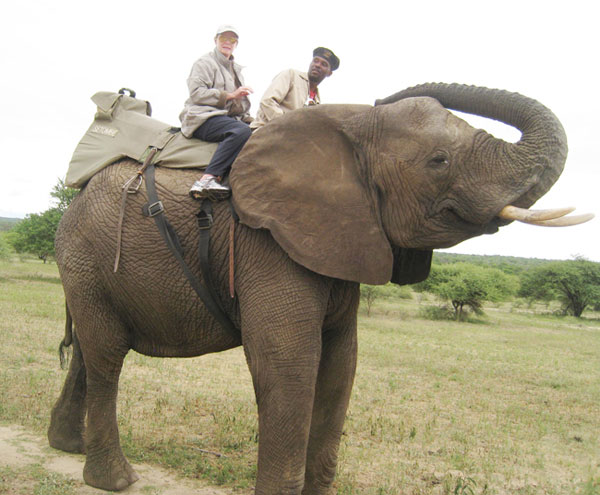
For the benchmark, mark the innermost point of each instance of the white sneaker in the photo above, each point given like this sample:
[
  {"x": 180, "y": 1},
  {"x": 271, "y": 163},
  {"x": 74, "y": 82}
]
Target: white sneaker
[{"x": 209, "y": 187}]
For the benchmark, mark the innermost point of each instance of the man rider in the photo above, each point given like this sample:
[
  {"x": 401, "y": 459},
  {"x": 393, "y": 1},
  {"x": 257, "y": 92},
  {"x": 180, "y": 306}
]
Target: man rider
[{"x": 293, "y": 89}]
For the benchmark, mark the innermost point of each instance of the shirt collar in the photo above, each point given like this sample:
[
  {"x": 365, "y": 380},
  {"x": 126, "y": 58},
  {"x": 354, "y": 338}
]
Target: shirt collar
[{"x": 222, "y": 58}]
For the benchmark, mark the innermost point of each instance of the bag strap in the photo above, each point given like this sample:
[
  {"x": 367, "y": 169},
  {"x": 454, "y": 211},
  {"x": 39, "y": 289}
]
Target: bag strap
[{"x": 155, "y": 209}]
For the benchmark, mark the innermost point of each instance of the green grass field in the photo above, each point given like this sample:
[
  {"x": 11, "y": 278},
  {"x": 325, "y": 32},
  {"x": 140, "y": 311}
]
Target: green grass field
[{"x": 507, "y": 405}]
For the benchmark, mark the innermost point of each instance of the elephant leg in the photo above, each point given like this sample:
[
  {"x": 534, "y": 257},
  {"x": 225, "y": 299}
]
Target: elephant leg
[
  {"x": 104, "y": 347},
  {"x": 67, "y": 419},
  {"x": 333, "y": 389},
  {"x": 284, "y": 361}
]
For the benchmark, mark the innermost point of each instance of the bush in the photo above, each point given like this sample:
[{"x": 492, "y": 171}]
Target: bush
[
  {"x": 4, "y": 251},
  {"x": 437, "y": 313},
  {"x": 469, "y": 286}
]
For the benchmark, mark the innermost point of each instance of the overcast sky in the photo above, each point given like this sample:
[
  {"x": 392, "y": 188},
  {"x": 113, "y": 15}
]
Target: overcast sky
[{"x": 56, "y": 55}]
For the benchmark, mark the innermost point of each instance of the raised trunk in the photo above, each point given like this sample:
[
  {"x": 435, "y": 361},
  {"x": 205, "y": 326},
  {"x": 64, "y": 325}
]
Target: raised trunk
[{"x": 536, "y": 161}]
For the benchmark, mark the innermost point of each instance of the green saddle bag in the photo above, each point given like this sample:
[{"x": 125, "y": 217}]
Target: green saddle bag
[{"x": 123, "y": 128}]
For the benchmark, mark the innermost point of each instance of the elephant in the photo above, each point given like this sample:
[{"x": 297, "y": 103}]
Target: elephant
[{"x": 328, "y": 197}]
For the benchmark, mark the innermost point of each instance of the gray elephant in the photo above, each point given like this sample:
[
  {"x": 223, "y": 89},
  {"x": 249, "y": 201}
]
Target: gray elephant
[{"x": 328, "y": 197}]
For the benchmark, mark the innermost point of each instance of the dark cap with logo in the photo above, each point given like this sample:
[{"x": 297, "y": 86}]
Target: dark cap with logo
[{"x": 328, "y": 55}]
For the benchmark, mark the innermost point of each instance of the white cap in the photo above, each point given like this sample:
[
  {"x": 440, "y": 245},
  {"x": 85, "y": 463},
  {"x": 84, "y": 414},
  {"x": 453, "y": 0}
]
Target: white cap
[{"x": 226, "y": 27}]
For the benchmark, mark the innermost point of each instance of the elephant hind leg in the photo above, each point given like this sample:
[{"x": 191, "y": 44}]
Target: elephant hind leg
[
  {"x": 67, "y": 419},
  {"x": 106, "y": 466},
  {"x": 104, "y": 345}
]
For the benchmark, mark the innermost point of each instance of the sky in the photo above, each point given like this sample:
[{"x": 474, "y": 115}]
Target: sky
[{"x": 56, "y": 55}]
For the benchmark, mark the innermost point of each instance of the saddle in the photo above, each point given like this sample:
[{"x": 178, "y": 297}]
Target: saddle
[{"x": 123, "y": 128}]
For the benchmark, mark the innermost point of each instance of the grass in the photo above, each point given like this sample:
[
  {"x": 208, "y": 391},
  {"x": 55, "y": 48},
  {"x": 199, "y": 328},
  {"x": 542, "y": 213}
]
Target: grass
[
  {"x": 507, "y": 405},
  {"x": 34, "y": 480}
]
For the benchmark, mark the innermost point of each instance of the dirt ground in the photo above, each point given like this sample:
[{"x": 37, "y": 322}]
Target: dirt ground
[{"x": 20, "y": 448}]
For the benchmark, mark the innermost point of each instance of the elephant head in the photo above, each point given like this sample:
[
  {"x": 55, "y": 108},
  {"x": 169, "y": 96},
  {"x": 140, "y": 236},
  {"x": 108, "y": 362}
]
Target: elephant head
[{"x": 354, "y": 191}]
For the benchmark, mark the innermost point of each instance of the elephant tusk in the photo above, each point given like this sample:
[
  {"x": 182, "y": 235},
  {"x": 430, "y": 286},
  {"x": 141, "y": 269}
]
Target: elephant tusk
[
  {"x": 565, "y": 221},
  {"x": 523, "y": 215}
]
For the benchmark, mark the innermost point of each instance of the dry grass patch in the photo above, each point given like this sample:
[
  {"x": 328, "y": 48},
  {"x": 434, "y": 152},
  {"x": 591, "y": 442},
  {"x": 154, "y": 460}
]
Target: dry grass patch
[{"x": 510, "y": 405}]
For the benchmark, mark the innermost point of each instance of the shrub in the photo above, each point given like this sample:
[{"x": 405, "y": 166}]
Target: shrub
[
  {"x": 437, "y": 313},
  {"x": 5, "y": 252},
  {"x": 469, "y": 286}
]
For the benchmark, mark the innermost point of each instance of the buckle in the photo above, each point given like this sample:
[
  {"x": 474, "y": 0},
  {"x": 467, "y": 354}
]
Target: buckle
[
  {"x": 151, "y": 210},
  {"x": 133, "y": 185},
  {"x": 205, "y": 220}
]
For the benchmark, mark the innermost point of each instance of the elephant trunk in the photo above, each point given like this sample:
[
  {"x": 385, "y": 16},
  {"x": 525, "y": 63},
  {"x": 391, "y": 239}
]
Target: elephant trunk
[{"x": 536, "y": 160}]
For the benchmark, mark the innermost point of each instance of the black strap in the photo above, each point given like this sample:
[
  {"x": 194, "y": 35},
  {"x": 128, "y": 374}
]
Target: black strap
[
  {"x": 205, "y": 221},
  {"x": 154, "y": 208},
  {"x": 234, "y": 214}
]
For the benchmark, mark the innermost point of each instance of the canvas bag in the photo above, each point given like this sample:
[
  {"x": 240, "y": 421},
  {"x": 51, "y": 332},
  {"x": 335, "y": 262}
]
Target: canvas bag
[{"x": 123, "y": 128}]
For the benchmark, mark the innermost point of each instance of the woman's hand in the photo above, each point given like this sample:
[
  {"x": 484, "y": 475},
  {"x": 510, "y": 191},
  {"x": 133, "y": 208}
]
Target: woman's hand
[{"x": 240, "y": 93}]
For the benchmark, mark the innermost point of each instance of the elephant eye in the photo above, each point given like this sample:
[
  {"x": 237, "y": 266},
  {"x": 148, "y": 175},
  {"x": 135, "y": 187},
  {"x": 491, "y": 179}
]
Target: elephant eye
[{"x": 439, "y": 160}]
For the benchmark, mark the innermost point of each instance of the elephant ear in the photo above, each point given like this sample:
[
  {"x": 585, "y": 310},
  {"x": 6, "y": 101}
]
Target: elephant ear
[{"x": 299, "y": 178}]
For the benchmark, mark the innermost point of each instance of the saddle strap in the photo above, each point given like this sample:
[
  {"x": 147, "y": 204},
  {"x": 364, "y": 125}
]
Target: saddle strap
[
  {"x": 231, "y": 258},
  {"x": 234, "y": 219},
  {"x": 154, "y": 208},
  {"x": 130, "y": 187}
]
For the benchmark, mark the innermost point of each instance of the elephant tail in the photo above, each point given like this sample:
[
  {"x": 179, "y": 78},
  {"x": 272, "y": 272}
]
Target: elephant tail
[{"x": 67, "y": 340}]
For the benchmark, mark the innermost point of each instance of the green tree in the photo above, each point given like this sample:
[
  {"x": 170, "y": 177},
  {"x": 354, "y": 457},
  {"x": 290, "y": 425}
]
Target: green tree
[
  {"x": 467, "y": 285},
  {"x": 574, "y": 283},
  {"x": 63, "y": 195},
  {"x": 4, "y": 249},
  {"x": 368, "y": 294},
  {"x": 35, "y": 233}
]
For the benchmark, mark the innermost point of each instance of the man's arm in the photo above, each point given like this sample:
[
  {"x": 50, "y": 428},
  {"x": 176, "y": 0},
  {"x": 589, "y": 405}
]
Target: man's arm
[{"x": 270, "y": 104}]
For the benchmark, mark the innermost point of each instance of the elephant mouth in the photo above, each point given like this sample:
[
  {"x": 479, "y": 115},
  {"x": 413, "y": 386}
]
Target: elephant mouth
[{"x": 453, "y": 216}]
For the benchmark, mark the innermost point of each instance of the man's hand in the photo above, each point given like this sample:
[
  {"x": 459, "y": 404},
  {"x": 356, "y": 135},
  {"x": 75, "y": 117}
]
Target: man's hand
[{"x": 240, "y": 93}]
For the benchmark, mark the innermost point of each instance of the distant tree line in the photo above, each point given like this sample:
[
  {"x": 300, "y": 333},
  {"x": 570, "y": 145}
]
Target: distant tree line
[
  {"x": 7, "y": 224},
  {"x": 466, "y": 282}
]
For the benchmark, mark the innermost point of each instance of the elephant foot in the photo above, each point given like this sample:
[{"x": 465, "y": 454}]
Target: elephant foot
[
  {"x": 317, "y": 489},
  {"x": 112, "y": 475},
  {"x": 62, "y": 436}
]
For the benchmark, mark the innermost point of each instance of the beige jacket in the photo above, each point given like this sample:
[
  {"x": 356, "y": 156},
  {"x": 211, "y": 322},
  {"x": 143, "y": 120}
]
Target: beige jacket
[
  {"x": 288, "y": 91},
  {"x": 211, "y": 78}
]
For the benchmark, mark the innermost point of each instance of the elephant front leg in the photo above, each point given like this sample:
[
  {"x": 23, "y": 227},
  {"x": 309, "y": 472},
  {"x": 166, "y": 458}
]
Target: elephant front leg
[
  {"x": 333, "y": 390},
  {"x": 284, "y": 375},
  {"x": 67, "y": 419}
]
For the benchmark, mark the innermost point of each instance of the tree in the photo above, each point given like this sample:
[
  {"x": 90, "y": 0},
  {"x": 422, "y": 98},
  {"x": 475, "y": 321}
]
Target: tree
[
  {"x": 467, "y": 285},
  {"x": 574, "y": 283},
  {"x": 35, "y": 233},
  {"x": 4, "y": 249},
  {"x": 368, "y": 293},
  {"x": 63, "y": 195}
]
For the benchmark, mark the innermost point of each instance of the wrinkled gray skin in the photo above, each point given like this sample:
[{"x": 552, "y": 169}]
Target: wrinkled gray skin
[{"x": 298, "y": 328}]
